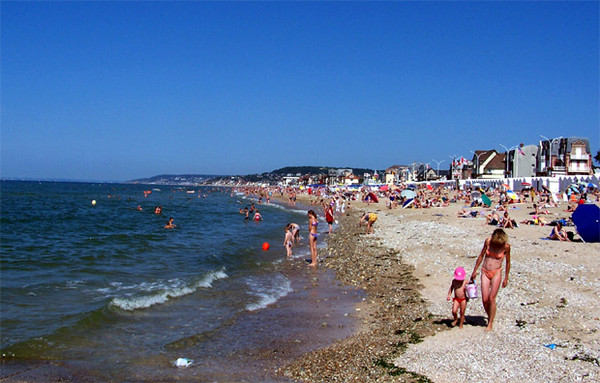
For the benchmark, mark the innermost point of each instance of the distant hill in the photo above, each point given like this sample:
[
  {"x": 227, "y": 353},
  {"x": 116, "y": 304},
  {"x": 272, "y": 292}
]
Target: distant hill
[
  {"x": 269, "y": 177},
  {"x": 316, "y": 170},
  {"x": 174, "y": 179}
]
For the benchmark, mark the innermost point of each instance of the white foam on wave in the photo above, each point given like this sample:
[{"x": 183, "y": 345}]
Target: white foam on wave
[
  {"x": 162, "y": 292},
  {"x": 268, "y": 291}
]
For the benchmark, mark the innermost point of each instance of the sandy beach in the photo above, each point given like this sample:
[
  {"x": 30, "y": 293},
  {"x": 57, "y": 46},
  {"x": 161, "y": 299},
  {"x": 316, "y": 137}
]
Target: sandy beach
[{"x": 546, "y": 328}]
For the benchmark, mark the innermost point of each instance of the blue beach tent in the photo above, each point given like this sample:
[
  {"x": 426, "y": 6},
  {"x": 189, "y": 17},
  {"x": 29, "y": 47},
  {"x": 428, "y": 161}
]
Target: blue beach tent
[{"x": 587, "y": 220}]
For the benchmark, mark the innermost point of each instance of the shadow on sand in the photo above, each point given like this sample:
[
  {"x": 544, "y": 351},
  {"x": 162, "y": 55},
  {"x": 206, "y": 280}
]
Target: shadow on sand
[{"x": 472, "y": 320}]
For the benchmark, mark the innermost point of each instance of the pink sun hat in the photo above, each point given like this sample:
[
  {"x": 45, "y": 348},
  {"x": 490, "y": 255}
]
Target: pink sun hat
[{"x": 459, "y": 274}]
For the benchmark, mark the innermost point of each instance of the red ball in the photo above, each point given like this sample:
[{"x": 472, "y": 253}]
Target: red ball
[{"x": 266, "y": 246}]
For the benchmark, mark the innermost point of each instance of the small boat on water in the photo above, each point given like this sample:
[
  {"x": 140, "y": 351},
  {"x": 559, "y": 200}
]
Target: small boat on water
[{"x": 191, "y": 192}]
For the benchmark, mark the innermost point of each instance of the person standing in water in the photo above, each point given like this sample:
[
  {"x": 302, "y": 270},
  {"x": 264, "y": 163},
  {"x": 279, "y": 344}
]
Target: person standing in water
[
  {"x": 312, "y": 237},
  {"x": 288, "y": 240},
  {"x": 295, "y": 231}
]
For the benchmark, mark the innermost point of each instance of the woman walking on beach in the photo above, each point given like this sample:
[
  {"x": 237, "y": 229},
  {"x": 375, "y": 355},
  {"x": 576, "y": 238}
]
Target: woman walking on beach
[
  {"x": 495, "y": 250},
  {"x": 312, "y": 237}
]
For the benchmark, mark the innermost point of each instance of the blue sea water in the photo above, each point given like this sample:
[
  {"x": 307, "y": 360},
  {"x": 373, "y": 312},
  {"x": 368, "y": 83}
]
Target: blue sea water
[{"x": 108, "y": 283}]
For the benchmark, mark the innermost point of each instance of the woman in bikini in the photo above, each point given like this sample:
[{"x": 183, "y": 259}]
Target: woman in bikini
[
  {"x": 312, "y": 236},
  {"x": 495, "y": 250}
]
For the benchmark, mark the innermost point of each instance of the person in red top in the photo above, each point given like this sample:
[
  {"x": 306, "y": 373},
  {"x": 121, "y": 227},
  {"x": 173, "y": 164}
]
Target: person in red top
[{"x": 329, "y": 217}]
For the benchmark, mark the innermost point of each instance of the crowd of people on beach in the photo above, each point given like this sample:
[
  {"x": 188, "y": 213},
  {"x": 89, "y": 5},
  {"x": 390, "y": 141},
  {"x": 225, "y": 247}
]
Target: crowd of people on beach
[{"x": 493, "y": 206}]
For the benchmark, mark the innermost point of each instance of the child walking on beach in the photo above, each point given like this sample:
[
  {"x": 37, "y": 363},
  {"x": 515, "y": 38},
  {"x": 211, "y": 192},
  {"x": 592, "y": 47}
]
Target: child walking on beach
[
  {"x": 287, "y": 241},
  {"x": 459, "y": 301}
]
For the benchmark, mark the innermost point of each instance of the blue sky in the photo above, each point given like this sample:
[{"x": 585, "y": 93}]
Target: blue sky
[{"x": 124, "y": 90}]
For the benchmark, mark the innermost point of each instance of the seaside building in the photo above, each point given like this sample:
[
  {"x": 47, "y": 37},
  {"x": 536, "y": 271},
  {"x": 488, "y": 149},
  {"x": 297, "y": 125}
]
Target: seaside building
[
  {"x": 564, "y": 156},
  {"x": 351, "y": 179},
  {"x": 396, "y": 174},
  {"x": 290, "y": 180},
  {"x": 522, "y": 161},
  {"x": 488, "y": 164},
  {"x": 461, "y": 169}
]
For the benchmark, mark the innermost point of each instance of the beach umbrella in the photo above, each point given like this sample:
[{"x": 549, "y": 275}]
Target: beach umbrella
[
  {"x": 591, "y": 185},
  {"x": 525, "y": 184},
  {"x": 486, "y": 200},
  {"x": 511, "y": 194},
  {"x": 407, "y": 193},
  {"x": 407, "y": 203},
  {"x": 587, "y": 220}
]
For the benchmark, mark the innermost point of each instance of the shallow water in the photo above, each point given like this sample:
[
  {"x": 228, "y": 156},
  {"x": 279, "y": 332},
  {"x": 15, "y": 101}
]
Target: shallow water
[{"x": 106, "y": 285}]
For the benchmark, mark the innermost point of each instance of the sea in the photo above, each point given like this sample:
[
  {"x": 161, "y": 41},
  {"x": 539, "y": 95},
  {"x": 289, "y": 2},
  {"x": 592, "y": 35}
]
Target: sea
[{"x": 94, "y": 287}]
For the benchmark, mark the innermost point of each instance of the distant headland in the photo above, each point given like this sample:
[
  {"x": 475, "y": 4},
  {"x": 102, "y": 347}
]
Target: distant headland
[{"x": 273, "y": 177}]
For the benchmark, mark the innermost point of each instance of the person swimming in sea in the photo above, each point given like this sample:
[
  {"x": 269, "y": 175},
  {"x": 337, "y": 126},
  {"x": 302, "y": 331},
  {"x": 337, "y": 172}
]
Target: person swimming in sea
[{"x": 170, "y": 224}]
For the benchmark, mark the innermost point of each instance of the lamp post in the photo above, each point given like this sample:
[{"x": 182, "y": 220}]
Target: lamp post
[
  {"x": 438, "y": 166},
  {"x": 507, "y": 154},
  {"x": 477, "y": 160}
]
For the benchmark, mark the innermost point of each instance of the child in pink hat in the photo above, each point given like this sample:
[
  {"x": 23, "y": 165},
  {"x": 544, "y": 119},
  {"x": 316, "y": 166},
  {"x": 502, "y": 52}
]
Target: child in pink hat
[{"x": 458, "y": 285}]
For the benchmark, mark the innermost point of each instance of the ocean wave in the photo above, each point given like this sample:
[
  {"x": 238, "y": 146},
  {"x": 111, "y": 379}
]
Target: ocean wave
[
  {"x": 268, "y": 291},
  {"x": 164, "y": 291}
]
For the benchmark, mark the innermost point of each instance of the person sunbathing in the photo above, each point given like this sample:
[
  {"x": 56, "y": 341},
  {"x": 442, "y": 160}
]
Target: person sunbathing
[
  {"x": 492, "y": 219},
  {"x": 464, "y": 213},
  {"x": 535, "y": 220},
  {"x": 558, "y": 234}
]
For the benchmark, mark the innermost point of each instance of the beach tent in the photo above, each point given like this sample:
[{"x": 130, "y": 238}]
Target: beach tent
[{"x": 587, "y": 220}]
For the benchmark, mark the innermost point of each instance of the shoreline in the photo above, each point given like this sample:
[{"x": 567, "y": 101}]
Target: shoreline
[
  {"x": 391, "y": 316},
  {"x": 399, "y": 329},
  {"x": 404, "y": 324}
]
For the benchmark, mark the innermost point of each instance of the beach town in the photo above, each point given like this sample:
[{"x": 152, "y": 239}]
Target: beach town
[
  {"x": 406, "y": 235},
  {"x": 440, "y": 301},
  {"x": 547, "y": 327}
]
